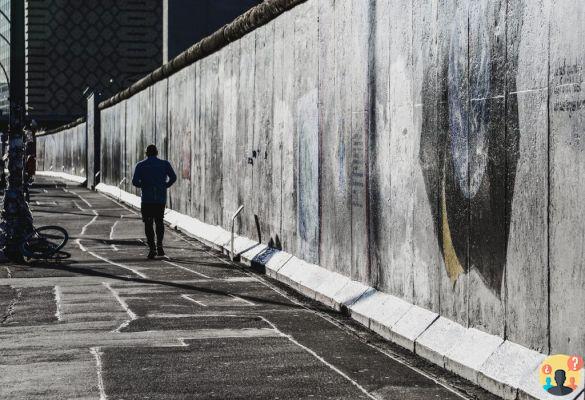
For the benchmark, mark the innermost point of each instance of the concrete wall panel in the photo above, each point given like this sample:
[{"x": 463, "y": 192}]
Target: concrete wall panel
[
  {"x": 397, "y": 278},
  {"x": 487, "y": 161},
  {"x": 228, "y": 75},
  {"x": 379, "y": 144},
  {"x": 307, "y": 129},
  {"x": 213, "y": 147},
  {"x": 159, "y": 93},
  {"x": 181, "y": 127},
  {"x": 360, "y": 124},
  {"x": 285, "y": 116},
  {"x": 426, "y": 266},
  {"x": 443, "y": 173},
  {"x": 245, "y": 126},
  {"x": 567, "y": 174},
  {"x": 335, "y": 131},
  {"x": 281, "y": 119},
  {"x": 526, "y": 271},
  {"x": 263, "y": 128}
]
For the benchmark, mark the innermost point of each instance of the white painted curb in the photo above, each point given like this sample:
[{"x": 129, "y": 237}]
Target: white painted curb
[
  {"x": 63, "y": 175},
  {"x": 506, "y": 369}
]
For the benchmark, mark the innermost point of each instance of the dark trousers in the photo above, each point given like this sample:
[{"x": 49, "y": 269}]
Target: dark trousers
[{"x": 153, "y": 213}]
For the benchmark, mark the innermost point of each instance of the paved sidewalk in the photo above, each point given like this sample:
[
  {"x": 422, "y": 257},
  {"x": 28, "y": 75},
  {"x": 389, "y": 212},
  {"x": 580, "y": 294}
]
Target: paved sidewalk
[{"x": 109, "y": 324}]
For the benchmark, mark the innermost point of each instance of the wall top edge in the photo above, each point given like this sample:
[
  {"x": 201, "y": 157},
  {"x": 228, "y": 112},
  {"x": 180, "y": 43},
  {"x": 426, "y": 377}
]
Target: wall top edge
[
  {"x": 70, "y": 125},
  {"x": 249, "y": 21}
]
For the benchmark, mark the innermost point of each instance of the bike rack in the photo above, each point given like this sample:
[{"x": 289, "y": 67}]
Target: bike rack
[{"x": 233, "y": 223}]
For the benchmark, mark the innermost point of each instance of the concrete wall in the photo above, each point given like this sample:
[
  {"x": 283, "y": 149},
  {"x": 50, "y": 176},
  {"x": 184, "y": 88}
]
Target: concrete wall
[
  {"x": 433, "y": 150},
  {"x": 63, "y": 151}
]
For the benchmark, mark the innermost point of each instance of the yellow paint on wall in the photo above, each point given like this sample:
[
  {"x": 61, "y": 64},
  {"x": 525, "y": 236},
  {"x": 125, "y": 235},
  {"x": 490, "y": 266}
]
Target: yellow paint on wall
[{"x": 454, "y": 268}]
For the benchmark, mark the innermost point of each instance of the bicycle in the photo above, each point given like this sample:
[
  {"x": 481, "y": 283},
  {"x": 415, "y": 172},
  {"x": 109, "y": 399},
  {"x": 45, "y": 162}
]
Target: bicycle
[{"x": 44, "y": 242}]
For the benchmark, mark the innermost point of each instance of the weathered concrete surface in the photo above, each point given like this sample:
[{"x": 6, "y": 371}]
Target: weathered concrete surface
[
  {"x": 64, "y": 151},
  {"x": 107, "y": 323}
]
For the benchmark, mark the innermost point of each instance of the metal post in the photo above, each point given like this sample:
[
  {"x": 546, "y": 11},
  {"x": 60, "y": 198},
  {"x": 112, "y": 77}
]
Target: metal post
[
  {"x": 16, "y": 217},
  {"x": 232, "y": 253}
]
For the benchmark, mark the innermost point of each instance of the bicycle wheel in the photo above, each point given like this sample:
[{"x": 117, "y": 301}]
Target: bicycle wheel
[{"x": 44, "y": 242}]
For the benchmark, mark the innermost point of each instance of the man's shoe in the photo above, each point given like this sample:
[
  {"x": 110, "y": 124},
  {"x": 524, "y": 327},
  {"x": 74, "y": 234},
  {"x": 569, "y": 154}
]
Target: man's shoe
[
  {"x": 159, "y": 251},
  {"x": 151, "y": 254}
]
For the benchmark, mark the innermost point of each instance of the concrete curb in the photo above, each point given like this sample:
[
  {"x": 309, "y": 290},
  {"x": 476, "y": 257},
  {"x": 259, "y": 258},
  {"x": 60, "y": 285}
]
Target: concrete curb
[
  {"x": 506, "y": 369},
  {"x": 62, "y": 175}
]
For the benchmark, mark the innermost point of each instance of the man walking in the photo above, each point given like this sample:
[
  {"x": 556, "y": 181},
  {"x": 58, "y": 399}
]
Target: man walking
[{"x": 153, "y": 176}]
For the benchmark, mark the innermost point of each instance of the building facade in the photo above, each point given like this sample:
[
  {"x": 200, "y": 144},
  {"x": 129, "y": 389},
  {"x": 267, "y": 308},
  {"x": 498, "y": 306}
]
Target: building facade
[
  {"x": 4, "y": 55},
  {"x": 75, "y": 44},
  {"x": 186, "y": 21},
  {"x": 105, "y": 45}
]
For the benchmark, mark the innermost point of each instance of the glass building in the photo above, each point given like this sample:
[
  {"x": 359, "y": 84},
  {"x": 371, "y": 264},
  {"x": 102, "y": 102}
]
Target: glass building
[{"x": 4, "y": 55}]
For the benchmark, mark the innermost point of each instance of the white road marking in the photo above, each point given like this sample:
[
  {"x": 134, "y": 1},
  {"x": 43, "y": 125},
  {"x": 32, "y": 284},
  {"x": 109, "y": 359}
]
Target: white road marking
[
  {"x": 114, "y": 247},
  {"x": 118, "y": 203},
  {"x": 112, "y": 229},
  {"x": 46, "y": 203},
  {"x": 318, "y": 357},
  {"x": 81, "y": 247},
  {"x": 238, "y": 298},
  {"x": 78, "y": 195},
  {"x": 89, "y": 223},
  {"x": 127, "y": 267},
  {"x": 8, "y": 273},
  {"x": 166, "y": 315},
  {"x": 45, "y": 191},
  {"x": 84, "y": 249},
  {"x": 98, "y": 360},
  {"x": 78, "y": 206},
  {"x": 186, "y": 297},
  {"x": 121, "y": 301},
  {"x": 57, "y": 292},
  {"x": 124, "y": 306},
  {"x": 187, "y": 269}
]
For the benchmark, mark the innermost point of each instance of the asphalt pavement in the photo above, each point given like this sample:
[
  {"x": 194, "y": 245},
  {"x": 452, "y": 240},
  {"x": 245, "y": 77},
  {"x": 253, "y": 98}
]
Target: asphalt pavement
[{"x": 105, "y": 323}]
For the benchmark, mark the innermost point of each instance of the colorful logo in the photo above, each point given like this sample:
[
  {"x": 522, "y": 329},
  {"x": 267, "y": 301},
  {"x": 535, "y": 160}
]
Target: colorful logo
[{"x": 560, "y": 374}]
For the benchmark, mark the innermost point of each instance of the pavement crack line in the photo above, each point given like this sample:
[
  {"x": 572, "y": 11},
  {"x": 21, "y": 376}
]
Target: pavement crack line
[
  {"x": 85, "y": 249},
  {"x": 187, "y": 269},
  {"x": 112, "y": 229},
  {"x": 98, "y": 360},
  {"x": 84, "y": 229},
  {"x": 321, "y": 359},
  {"x": 189, "y": 298},
  {"x": 78, "y": 195},
  {"x": 124, "y": 305},
  {"x": 78, "y": 206}
]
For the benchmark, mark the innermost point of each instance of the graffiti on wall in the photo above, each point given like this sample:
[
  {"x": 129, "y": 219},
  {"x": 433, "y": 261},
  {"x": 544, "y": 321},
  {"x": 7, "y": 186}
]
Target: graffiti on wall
[{"x": 469, "y": 162}]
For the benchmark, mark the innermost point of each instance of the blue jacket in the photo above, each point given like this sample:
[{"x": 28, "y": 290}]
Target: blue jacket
[{"x": 154, "y": 176}]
